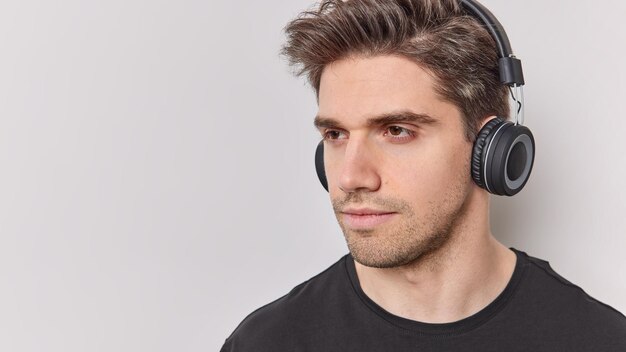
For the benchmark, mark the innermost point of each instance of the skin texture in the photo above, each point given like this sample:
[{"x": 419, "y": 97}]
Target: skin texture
[{"x": 434, "y": 258}]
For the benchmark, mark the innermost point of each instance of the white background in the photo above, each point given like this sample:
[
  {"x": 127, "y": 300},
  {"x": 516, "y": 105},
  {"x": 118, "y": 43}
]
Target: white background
[{"x": 156, "y": 166}]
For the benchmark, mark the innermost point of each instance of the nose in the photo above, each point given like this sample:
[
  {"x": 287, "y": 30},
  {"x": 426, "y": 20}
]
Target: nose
[{"x": 359, "y": 170}]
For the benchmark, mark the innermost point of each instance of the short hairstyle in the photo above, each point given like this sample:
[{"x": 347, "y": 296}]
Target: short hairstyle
[{"x": 438, "y": 35}]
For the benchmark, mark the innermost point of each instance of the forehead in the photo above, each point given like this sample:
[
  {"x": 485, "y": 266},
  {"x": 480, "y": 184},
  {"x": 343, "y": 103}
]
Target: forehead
[{"x": 358, "y": 87}]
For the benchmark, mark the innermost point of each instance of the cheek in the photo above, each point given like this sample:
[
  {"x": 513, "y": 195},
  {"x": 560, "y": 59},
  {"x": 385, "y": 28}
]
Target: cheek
[
  {"x": 421, "y": 181},
  {"x": 429, "y": 174},
  {"x": 332, "y": 169}
]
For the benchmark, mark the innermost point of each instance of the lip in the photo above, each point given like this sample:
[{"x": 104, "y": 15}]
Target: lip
[
  {"x": 365, "y": 218},
  {"x": 365, "y": 211}
]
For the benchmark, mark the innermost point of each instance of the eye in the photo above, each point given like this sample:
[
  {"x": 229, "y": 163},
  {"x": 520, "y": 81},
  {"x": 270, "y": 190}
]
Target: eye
[
  {"x": 399, "y": 133},
  {"x": 334, "y": 134}
]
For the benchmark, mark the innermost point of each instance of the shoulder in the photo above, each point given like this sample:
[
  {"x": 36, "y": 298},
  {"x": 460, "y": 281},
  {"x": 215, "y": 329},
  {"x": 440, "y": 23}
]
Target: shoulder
[
  {"x": 299, "y": 309},
  {"x": 560, "y": 305}
]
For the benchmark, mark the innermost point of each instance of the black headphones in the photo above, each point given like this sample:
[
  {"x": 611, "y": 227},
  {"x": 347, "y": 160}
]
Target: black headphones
[{"x": 504, "y": 152}]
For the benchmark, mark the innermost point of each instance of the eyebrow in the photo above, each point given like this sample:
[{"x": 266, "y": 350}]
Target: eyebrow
[{"x": 383, "y": 119}]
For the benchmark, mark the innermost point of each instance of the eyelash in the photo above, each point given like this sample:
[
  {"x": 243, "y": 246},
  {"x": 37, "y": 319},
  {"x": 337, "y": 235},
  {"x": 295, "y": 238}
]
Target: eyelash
[{"x": 410, "y": 134}]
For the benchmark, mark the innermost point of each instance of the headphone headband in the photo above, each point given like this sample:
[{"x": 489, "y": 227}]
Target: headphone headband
[{"x": 510, "y": 67}]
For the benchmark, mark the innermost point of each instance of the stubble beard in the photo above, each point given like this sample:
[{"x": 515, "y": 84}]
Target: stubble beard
[{"x": 408, "y": 238}]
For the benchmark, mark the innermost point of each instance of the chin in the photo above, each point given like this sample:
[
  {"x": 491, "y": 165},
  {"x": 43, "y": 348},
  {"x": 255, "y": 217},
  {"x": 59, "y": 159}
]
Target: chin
[
  {"x": 377, "y": 252},
  {"x": 391, "y": 248}
]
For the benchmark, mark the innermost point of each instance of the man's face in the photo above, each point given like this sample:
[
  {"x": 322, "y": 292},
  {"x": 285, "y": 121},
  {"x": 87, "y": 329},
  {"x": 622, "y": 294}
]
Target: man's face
[{"x": 396, "y": 158}]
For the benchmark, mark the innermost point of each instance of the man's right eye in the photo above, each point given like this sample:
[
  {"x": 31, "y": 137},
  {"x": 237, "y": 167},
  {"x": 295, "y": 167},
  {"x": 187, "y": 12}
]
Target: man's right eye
[{"x": 334, "y": 134}]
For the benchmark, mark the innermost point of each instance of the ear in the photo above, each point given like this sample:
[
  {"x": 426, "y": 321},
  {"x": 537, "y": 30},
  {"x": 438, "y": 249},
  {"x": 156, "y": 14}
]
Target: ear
[
  {"x": 485, "y": 120},
  {"x": 482, "y": 124}
]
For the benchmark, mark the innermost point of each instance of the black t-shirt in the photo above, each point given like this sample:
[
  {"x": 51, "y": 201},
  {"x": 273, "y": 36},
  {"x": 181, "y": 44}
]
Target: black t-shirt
[{"x": 537, "y": 311}]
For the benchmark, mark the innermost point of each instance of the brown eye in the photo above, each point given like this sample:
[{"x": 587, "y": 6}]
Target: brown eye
[
  {"x": 395, "y": 130},
  {"x": 399, "y": 134},
  {"x": 333, "y": 134}
]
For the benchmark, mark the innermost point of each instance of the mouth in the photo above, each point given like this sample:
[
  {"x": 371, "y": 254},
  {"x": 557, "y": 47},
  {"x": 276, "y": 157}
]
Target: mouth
[{"x": 365, "y": 218}]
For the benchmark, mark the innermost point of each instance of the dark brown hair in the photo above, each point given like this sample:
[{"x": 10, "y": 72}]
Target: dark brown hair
[{"x": 436, "y": 34}]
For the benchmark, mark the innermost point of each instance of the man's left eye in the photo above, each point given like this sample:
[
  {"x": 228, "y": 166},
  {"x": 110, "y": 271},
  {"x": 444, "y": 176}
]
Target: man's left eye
[{"x": 398, "y": 132}]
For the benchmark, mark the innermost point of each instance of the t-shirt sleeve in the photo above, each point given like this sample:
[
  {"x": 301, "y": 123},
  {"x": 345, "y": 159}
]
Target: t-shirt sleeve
[{"x": 227, "y": 346}]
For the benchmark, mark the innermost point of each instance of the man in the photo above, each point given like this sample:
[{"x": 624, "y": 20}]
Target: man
[{"x": 403, "y": 88}]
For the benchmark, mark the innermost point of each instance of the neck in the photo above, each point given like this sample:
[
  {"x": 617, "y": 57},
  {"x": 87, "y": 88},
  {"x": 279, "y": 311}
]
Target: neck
[{"x": 451, "y": 283}]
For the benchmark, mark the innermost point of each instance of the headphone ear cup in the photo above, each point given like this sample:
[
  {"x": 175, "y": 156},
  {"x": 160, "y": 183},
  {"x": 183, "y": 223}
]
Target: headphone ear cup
[
  {"x": 478, "y": 158},
  {"x": 510, "y": 160},
  {"x": 319, "y": 165},
  {"x": 503, "y": 157}
]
